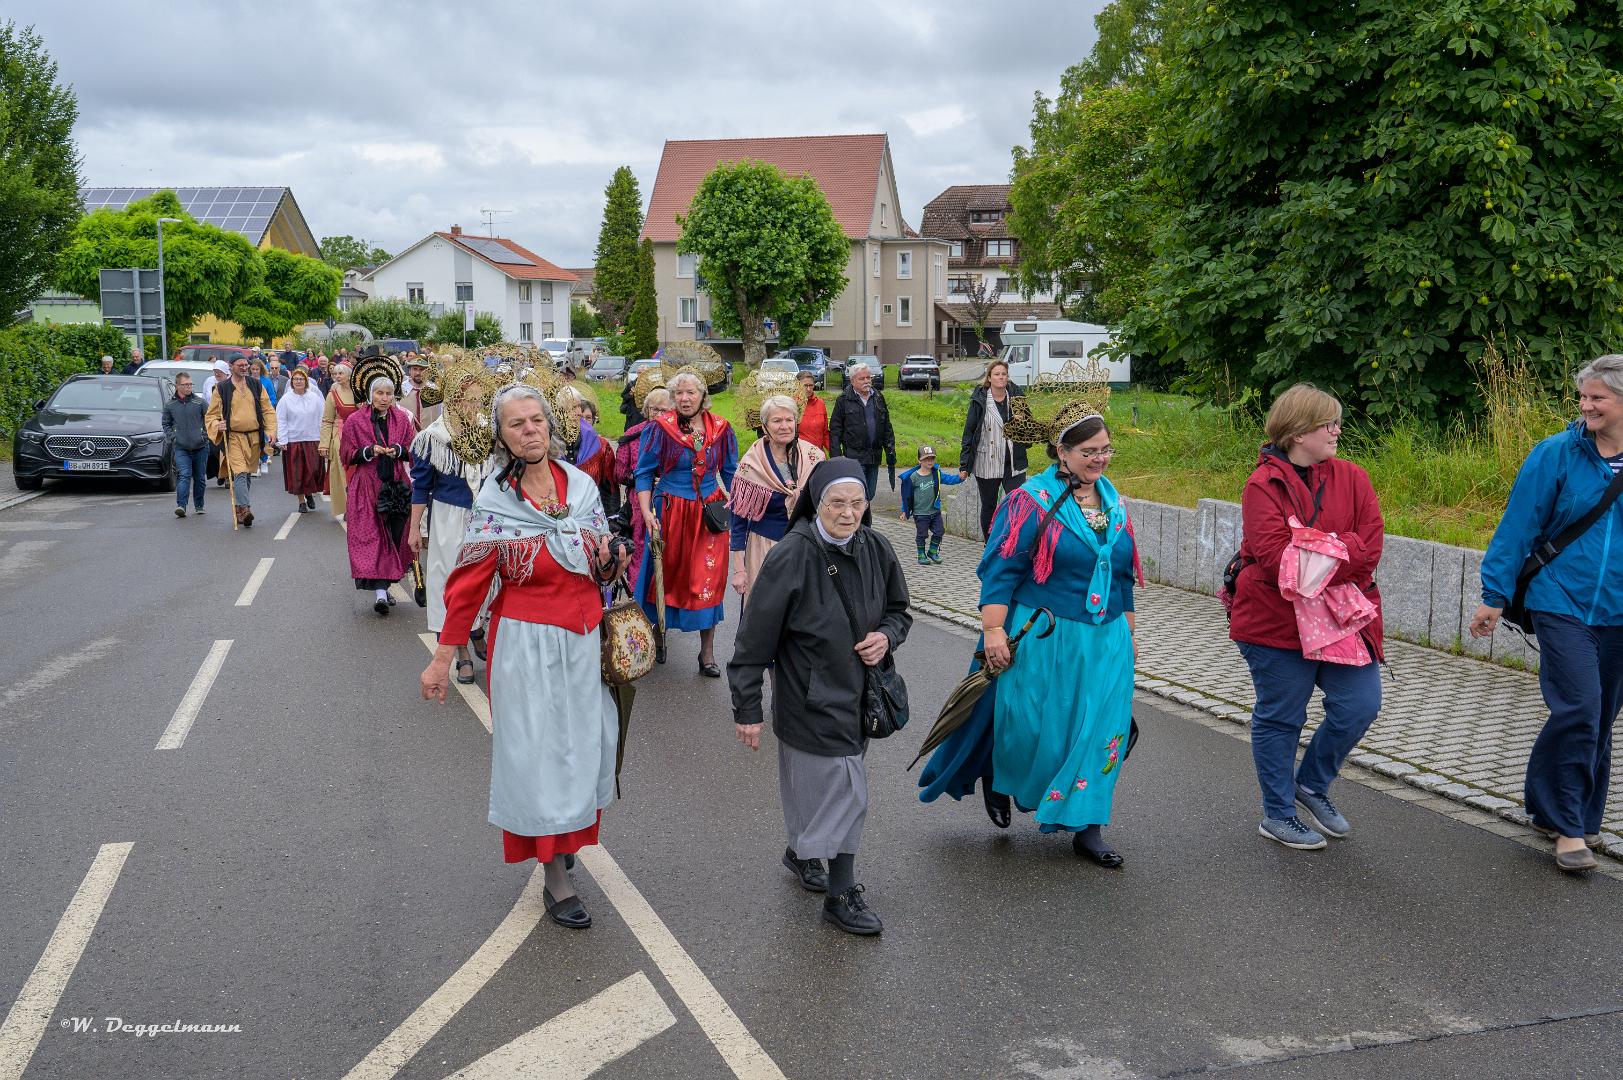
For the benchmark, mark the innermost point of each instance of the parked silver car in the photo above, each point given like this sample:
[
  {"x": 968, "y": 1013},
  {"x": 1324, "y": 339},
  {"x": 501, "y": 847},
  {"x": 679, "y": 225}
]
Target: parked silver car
[
  {"x": 607, "y": 368},
  {"x": 919, "y": 371}
]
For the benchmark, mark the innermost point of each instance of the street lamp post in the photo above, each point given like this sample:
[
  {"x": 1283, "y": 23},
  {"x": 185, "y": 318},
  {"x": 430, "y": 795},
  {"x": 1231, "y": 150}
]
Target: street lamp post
[{"x": 163, "y": 307}]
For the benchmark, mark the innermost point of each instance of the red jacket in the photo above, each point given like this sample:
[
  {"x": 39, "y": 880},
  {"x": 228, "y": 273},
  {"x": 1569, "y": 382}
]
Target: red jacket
[
  {"x": 814, "y": 423},
  {"x": 1347, "y": 507}
]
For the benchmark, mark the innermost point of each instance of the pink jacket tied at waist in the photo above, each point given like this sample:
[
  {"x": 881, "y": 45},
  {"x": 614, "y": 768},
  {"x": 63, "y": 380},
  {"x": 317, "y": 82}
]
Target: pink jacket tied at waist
[{"x": 1328, "y": 619}]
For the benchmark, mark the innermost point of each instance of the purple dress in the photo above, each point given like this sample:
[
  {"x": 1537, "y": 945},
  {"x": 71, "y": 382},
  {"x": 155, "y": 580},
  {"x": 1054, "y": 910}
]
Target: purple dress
[{"x": 378, "y": 555}]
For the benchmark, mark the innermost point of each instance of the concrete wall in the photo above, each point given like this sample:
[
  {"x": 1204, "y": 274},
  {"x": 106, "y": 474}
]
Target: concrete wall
[{"x": 1428, "y": 591}]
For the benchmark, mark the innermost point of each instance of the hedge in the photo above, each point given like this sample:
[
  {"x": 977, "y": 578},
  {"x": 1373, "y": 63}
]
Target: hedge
[{"x": 34, "y": 361}]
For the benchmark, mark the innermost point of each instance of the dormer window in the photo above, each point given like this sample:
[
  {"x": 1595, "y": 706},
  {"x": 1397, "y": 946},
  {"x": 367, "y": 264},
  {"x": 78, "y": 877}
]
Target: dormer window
[{"x": 985, "y": 217}]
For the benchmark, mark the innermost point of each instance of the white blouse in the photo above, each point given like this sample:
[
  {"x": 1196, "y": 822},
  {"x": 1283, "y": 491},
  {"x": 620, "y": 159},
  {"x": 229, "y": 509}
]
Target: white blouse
[{"x": 298, "y": 417}]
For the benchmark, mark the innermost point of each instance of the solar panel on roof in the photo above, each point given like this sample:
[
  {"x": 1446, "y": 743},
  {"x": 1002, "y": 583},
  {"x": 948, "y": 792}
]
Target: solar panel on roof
[
  {"x": 495, "y": 251},
  {"x": 247, "y": 210}
]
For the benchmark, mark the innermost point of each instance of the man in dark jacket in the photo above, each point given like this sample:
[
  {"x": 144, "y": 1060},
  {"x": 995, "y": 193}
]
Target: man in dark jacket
[
  {"x": 860, "y": 427},
  {"x": 183, "y": 421}
]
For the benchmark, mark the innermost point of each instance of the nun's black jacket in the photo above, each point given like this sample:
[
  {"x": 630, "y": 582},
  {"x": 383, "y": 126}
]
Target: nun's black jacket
[{"x": 794, "y": 617}]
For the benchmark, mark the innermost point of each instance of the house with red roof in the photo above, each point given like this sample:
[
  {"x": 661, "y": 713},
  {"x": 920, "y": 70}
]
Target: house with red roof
[
  {"x": 894, "y": 277},
  {"x": 448, "y": 270}
]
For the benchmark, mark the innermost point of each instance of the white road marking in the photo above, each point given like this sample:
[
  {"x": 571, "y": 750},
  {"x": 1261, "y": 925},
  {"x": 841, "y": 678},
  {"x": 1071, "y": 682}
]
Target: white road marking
[
  {"x": 738, "y": 1048},
  {"x": 401, "y": 596},
  {"x": 475, "y": 697},
  {"x": 575, "y": 1044},
  {"x": 31, "y": 1012},
  {"x": 20, "y": 499},
  {"x": 202, "y": 683},
  {"x": 57, "y": 668},
  {"x": 432, "y": 1015},
  {"x": 287, "y": 526},
  {"x": 20, "y": 556},
  {"x": 27, "y": 525},
  {"x": 325, "y": 497},
  {"x": 255, "y": 580}
]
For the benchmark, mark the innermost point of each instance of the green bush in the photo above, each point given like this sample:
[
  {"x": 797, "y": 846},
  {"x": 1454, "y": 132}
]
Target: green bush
[
  {"x": 88, "y": 342},
  {"x": 388, "y": 317},
  {"x": 447, "y": 330},
  {"x": 31, "y": 368}
]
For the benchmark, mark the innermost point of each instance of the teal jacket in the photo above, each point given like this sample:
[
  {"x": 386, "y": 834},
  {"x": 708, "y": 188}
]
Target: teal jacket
[{"x": 1561, "y": 480}]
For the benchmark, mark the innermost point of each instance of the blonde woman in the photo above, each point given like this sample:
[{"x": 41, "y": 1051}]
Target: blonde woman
[
  {"x": 339, "y": 406},
  {"x": 769, "y": 477}
]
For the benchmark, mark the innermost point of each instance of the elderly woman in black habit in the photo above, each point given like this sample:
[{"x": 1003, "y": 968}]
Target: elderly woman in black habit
[{"x": 800, "y": 629}]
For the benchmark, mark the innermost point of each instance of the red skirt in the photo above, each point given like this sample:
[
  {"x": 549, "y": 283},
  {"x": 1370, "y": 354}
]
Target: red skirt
[
  {"x": 695, "y": 558},
  {"x": 303, "y": 471},
  {"x": 516, "y": 848}
]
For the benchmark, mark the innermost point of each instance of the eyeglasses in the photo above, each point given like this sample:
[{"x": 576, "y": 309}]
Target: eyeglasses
[{"x": 1096, "y": 455}]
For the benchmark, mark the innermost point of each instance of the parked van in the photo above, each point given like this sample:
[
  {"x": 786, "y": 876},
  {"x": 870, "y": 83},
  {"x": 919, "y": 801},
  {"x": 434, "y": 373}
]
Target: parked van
[{"x": 1034, "y": 347}]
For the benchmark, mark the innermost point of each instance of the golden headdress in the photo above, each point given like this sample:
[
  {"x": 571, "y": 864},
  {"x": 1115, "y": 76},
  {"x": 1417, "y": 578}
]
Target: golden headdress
[
  {"x": 369, "y": 370},
  {"x": 1082, "y": 390},
  {"x": 563, "y": 398},
  {"x": 753, "y": 390},
  {"x": 468, "y": 388},
  {"x": 695, "y": 357},
  {"x": 648, "y": 380}
]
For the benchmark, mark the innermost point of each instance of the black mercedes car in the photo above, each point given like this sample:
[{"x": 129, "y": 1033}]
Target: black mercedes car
[{"x": 97, "y": 425}]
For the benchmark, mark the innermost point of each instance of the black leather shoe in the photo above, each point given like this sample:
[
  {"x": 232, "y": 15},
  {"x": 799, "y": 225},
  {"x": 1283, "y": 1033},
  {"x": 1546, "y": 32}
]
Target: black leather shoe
[
  {"x": 391, "y": 599},
  {"x": 710, "y": 670},
  {"x": 659, "y": 654},
  {"x": 1106, "y": 858},
  {"x": 477, "y": 640},
  {"x": 569, "y": 912},
  {"x": 813, "y": 878},
  {"x": 850, "y": 913},
  {"x": 380, "y": 606},
  {"x": 997, "y": 805}
]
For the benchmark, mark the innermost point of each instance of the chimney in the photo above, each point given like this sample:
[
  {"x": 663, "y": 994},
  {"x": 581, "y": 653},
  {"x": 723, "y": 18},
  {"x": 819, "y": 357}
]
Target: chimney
[{"x": 456, "y": 230}]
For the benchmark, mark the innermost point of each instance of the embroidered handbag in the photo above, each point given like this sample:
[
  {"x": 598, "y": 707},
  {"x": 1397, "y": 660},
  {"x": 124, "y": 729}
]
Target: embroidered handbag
[{"x": 628, "y": 638}]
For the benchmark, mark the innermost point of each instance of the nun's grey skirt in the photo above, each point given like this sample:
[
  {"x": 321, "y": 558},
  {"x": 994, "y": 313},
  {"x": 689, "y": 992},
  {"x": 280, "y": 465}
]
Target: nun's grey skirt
[{"x": 825, "y": 802}]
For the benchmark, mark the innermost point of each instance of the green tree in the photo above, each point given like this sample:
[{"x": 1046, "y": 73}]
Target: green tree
[
  {"x": 1369, "y": 193},
  {"x": 389, "y": 317},
  {"x": 615, "y": 287},
  {"x": 768, "y": 247},
  {"x": 207, "y": 270},
  {"x": 583, "y": 322},
  {"x": 346, "y": 251},
  {"x": 295, "y": 289},
  {"x": 642, "y": 325},
  {"x": 39, "y": 168},
  {"x": 447, "y": 330}
]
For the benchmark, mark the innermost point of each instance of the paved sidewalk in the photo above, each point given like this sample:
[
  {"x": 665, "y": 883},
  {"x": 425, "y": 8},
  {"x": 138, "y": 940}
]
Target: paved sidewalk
[{"x": 1449, "y": 725}]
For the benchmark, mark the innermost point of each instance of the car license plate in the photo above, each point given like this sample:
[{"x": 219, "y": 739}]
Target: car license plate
[{"x": 86, "y": 466}]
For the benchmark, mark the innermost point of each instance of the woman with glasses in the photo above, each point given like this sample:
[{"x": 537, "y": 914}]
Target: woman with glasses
[
  {"x": 1300, "y": 481},
  {"x": 1052, "y": 732}
]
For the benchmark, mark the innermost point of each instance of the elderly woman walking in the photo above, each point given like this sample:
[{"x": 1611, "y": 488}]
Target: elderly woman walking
[
  {"x": 1299, "y": 486},
  {"x": 685, "y": 467},
  {"x": 1570, "y": 482},
  {"x": 765, "y": 488},
  {"x": 376, "y": 449},
  {"x": 800, "y": 629},
  {"x": 539, "y": 532},
  {"x": 298, "y": 434},
  {"x": 625, "y": 468},
  {"x": 337, "y": 408}
]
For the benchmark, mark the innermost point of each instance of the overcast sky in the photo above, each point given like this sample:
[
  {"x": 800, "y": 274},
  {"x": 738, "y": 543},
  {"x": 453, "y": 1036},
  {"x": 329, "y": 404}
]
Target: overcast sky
[{"x": 391, "y": 120}]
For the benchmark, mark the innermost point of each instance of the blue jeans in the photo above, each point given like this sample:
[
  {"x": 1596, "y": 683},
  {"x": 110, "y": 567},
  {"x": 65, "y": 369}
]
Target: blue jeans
[
  {"x": 191, "y": 470},
  {"x": 1570, "y": 767},
  {"x": 1284, "y": 680},
  {"x": 870, "y": 479}
]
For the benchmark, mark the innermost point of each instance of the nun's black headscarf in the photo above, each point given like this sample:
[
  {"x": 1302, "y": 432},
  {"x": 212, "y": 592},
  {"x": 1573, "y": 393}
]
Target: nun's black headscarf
[{"x": 822, "y": 475}]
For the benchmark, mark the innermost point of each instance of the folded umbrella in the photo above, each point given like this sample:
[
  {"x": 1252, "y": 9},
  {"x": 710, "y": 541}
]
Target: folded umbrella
[
  {"x": 892, "y": 469},
  {"x": 625, "y": 695},
  {"x": 656, "y": 551},
  {"x": 961, "y": 702}
]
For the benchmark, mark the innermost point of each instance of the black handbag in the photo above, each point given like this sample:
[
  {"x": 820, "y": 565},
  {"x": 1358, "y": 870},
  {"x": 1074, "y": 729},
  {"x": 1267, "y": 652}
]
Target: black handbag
[
  {"x": 717, "y": 518},
  {"x": 884, "y": 692},
  {"x": 1516, "y": 613}
]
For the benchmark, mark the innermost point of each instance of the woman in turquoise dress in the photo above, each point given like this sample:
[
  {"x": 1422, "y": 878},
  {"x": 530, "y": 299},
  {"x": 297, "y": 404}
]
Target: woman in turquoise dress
[{"x": 1051, "y": 733}]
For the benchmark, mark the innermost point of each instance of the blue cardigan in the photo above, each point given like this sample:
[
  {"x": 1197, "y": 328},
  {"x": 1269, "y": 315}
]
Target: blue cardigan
[{"x": 1561, "y": 480}]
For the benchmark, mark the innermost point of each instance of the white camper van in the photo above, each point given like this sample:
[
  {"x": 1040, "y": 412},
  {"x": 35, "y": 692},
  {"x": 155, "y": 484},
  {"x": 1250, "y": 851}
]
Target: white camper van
[{"x": 1034, "y": 347}]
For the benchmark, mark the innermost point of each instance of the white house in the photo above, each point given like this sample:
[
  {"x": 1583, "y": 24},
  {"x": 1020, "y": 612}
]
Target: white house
[{"x": 526, "y": 292}]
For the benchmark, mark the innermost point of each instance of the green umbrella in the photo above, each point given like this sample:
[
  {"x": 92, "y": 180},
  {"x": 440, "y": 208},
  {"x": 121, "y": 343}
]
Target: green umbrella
[
  {"x": 624, "y": 695},
  {"x": 961, "y": 702}
]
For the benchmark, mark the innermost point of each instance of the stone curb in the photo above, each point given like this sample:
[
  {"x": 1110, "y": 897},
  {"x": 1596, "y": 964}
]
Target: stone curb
[{"x": 1433, "y": 783}]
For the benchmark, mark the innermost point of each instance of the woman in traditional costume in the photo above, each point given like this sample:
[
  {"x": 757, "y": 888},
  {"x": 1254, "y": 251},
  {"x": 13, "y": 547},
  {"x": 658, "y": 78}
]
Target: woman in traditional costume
[
  {"x": 298, "y": 433},
  {"x": 584, "y": 448},
  {"x": 764, "y": 490},
  {"x": 448, "y": 464},
  {"x": 539, "y": 532},
  {"x": 657, "y": 401},
  {"x": 800, "y": 629},
  {"x": 340, "y": 405},
  {"x": 376, "y": 449},
  {"x": 1052, "y": 731},
  {"x": 687, "y": 459}
]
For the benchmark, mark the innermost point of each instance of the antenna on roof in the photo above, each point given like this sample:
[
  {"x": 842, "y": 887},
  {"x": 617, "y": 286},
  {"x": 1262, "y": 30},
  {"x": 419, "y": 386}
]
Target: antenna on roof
[{"x": 490, "y": 219}]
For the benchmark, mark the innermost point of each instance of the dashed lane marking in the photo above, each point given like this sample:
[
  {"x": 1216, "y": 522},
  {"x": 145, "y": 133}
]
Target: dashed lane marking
[
  {"x": 747, "y": 1059},
  {"x": 30, "y": 525},
  {"x": 255, "y": 580},
  {"x": 575, "y": 1044},
  {"x": 55, "y": 670},
  {"x": 472, "y": 695},
  {"x": 31, "y": 1012},
  {"x": 186, "y": 712},
  {"x": 287, "y": 526}
]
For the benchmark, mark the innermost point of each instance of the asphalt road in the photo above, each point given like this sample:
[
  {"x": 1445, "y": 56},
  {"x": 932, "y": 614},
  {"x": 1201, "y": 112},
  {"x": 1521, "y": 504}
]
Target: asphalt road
[{"x": 312, "y": 864}]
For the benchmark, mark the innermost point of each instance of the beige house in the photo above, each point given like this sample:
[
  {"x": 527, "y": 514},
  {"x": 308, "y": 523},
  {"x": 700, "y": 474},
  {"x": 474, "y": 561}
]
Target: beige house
[{"x": 894, "y": 276}]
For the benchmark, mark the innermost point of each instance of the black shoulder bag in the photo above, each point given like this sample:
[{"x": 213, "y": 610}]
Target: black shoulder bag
[
  {"x": 1516, "y": 613},
  {"x": 884, "y": 694}
]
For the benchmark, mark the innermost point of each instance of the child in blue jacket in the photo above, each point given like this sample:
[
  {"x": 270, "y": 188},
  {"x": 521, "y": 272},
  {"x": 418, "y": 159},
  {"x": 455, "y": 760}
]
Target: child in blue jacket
[{"x": 921, "y": 501}]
